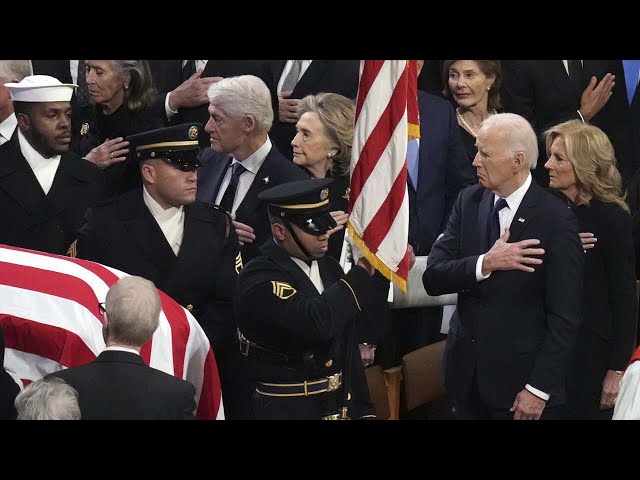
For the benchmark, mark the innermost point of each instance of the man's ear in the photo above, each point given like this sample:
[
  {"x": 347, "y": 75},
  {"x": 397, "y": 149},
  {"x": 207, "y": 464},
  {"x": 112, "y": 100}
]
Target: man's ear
[
  {"x": 24, "y": 122},
  {"x": 248, "y": 123},
  {"x": 279, "y": 231},
  {"x": 518, "y": 161},
  {"x": 148, "y": 172}
]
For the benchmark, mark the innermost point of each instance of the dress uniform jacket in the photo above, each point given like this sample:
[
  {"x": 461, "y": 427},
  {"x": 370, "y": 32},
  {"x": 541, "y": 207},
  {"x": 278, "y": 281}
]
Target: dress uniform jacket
[
  {"x": 119, "y": 386},
  {"x": 31, "y": 219},
  {"x": 280, "y": 309},
  {"x": 123, "y": 234}
]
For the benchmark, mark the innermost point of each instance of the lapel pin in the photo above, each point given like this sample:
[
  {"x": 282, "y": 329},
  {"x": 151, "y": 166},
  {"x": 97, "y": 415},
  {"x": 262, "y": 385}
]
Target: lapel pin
[
  {"x": 265, "y": 180},
  {"x": 521, "y": 220}
]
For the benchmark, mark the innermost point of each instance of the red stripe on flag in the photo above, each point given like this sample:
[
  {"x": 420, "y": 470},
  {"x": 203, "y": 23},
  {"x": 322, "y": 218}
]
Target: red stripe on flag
[
  {"x": 50, "y": 282},
  {"x": 47, "y": 341},
  {"x": 210, "y": 395},
  {"x": 378, "y": 228},
  {"x": 369, "y": 74},
  {"x": 379, "y": 139}
]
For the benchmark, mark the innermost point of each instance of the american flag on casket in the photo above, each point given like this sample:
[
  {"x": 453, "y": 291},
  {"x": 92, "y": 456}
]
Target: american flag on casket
[{"x": 50, "y": 318}]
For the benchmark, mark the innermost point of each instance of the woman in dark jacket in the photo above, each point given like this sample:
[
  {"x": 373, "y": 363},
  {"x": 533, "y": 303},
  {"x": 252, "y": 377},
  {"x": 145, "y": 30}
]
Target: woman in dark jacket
[
  {"x": 122, "y": 92},
  {"x": 582, "y": 167}
]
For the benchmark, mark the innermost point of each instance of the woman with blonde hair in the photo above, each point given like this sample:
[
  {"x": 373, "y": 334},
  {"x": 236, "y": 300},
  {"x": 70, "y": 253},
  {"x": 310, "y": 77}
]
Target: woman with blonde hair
[{"x": 582, "y": 168}]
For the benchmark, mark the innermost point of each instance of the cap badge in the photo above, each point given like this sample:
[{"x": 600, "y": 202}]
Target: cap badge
[
  {"x": 193, "y": 132},
  {"x": 324, "y": 194},
  {"x": 84, "y": 129}
]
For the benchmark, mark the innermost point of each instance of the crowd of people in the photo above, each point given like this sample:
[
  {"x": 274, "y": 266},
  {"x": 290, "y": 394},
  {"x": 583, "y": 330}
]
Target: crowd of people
[{"x": 226, "y": 185}]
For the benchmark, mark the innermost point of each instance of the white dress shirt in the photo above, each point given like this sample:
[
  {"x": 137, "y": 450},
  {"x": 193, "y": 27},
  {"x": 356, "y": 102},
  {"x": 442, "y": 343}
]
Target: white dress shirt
[
  {"x": 252, "y": 164},
  {"x": 313, "y": 272},
  {"x": 170, "y": 221},
  {"x": 7, "y": 127},
  {"x": 43, "y": 168},
  {"x": 287, "y": 67},
  {"x": 118, "y": 348}
]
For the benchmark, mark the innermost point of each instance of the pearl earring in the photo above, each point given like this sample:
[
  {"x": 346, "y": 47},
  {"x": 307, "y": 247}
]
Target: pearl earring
[
  {"x": 126, "y": 86},
  {"x": 329, "y": 155}
]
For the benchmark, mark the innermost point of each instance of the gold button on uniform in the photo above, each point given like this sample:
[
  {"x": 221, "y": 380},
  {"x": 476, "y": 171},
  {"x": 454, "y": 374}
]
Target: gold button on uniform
[{"x": 189, "y": 307}]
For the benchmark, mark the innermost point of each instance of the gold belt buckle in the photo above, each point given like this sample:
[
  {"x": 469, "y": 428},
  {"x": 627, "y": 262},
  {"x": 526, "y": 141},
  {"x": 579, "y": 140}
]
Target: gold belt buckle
[{"x": 334, "y": 381}]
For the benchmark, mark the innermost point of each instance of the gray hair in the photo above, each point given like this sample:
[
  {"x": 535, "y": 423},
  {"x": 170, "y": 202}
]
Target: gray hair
[
  {"x": 520, "y": 135},
  {"x": 15, "y": 70},
  {"x": 48, "y": 399},
  {"x": 133, "y": 308},
  {"x": 140, "y": 93},
  {"x": 244, "y": 95}
]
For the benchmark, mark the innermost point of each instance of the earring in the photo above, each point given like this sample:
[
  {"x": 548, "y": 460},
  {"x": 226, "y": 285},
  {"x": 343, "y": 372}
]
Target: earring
[
  {"x": 126, "y": 86},
  {"x": 488, "y": 89},
  {"x": 329, "y": 155}
]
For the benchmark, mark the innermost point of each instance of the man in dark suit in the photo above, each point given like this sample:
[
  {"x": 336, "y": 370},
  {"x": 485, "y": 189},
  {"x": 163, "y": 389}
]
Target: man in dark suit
[
  {"x": 548, "y": 92},
  {"x": 297, "y": 312},
  {"x": 118, "y": 385},
  {"x": 182, "y": 86},
  {"x": 242, "y": 162},
  {"x": 434, "y": 180},
  {"x": 11, "y": 71},
  {"x": 187, "y": 248},
  {"x": 44, "y": 188},
  {"x": 518, "y": 311},
  {"x": 311, "y": 77}
]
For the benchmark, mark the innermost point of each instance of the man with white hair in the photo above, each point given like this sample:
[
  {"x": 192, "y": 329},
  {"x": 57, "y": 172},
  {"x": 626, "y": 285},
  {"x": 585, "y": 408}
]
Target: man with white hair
[
  {"x": 242, "y": 162},
  {"x": 48, "y": 399},
  {"x": 512, "y": 252},
  {"x": 118, "y": 385},
  {"x": 44, "y": 188},
  {"x": 10, "y": 71}
]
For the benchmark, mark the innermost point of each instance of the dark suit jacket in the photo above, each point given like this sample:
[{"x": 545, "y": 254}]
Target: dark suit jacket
[
  {"x": 167, "y": 76},
  {"x": 274, "y": 170},
  {"x": 9, "y": 389},
  {"x": 31, "y": 219},
  {"x": 542, "y": 92},
  {"x": 118, "y": 385},
  {"x": 335, "y": 76},
  {"x": 513, "y": 328},
  {"x": 314, "y": 330},
  {"x": 444, "y": 170}
]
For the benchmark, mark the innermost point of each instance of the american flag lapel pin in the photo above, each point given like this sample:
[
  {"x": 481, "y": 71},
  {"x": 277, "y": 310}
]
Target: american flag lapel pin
[
  {"x": 265, "y": 180},
  {"x": 521, "y": 220}
]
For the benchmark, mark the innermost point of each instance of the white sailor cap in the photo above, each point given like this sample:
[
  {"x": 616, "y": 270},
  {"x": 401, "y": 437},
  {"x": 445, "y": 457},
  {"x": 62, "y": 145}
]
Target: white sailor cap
[{"x": 41, "y": 88}]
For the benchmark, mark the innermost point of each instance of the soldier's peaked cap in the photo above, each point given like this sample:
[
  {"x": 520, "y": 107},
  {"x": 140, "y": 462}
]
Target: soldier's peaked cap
[
  {"x": 303, "y": 202},
  {"x": 177, "y": 144}
]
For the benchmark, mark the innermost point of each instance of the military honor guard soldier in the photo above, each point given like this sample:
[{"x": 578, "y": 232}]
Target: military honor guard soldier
[
  {"x": 296, "y": 311},
  {"x": 187, "y": 248}
]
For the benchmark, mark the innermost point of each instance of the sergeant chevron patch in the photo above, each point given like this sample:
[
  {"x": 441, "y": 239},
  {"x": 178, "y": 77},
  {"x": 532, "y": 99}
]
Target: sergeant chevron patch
[
  {"x": 238, "y": 263},
  {"x": 283, "y": 290}
]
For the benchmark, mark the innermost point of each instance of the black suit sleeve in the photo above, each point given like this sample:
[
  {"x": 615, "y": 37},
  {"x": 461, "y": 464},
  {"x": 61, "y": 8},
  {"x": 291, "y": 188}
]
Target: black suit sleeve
[
  {"x": 446, "y": 272},
  {"x": 564, "y": 262}
]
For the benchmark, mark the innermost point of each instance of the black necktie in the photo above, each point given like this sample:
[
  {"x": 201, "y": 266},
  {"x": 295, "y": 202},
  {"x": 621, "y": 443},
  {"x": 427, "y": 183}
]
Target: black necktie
[
  {"x": 576, "y": 74},
  {"x": 188, "y": 69},
  {"x": 82, "y": 93},
  {"x": 493, "y": 226},
  {"x": 230, "y": 192}
]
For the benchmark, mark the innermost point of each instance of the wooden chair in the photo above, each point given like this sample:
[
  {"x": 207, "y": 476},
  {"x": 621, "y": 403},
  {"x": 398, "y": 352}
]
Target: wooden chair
[
  {"x": 384, "y": 388},
  {"x": 421, "y": 377}
]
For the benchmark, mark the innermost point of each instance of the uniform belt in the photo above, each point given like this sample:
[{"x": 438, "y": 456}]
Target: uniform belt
[
  {"x": 253, "y": 350},
  {"x": 304, "y": 389}
]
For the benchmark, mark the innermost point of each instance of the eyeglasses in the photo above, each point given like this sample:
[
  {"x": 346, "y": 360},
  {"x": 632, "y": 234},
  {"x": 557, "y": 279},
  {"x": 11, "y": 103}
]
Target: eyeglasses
[{"x": 101, "y": 307}]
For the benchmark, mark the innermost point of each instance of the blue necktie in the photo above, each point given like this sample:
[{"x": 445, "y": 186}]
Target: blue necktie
[
  {"x": 631, "y": 73},
  {"x": 493, "y": 226},
  {"x": 229, "y": 196},
  {"x": 413, "y": 149}
]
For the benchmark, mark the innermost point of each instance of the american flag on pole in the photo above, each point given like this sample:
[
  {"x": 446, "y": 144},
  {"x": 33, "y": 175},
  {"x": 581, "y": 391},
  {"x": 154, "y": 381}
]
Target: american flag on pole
[
  {"x": 50, "y": 318},
  {"x": 386, "y": 120}
]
